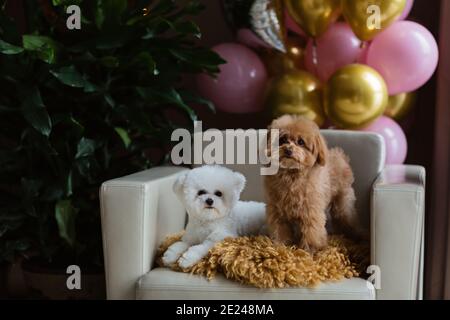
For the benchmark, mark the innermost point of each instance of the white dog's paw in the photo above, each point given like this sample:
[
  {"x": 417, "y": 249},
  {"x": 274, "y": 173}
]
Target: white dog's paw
[
  {"x": 170, "y": 257},
  {"x": 189, "y": 258},
  {"x": 173, "y": 253}
]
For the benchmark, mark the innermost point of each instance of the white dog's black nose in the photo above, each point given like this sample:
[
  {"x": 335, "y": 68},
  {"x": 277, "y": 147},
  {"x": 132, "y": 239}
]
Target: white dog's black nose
[{"x": 209, "y": 201}]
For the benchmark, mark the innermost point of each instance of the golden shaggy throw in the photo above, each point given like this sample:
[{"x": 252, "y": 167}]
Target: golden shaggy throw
[{"x": 260, "y": 262}]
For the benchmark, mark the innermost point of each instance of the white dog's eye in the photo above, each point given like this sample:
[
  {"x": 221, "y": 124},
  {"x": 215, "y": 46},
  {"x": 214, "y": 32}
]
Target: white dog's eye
[
  {"x": 218, "y": 193},
  {"x": 201, "y": 192}
]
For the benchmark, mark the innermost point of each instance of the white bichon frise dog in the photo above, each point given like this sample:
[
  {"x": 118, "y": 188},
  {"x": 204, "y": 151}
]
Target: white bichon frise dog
[{"x": 210, "y": 195}]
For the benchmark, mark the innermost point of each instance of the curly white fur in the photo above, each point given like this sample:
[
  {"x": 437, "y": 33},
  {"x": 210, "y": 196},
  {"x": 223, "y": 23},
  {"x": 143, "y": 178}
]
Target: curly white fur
[{"x": 210, "y": 195}]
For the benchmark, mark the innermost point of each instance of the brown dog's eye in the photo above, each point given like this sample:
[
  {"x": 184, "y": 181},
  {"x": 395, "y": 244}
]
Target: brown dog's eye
[
  {"x": 201, "y": 192},
  {"x": 301, "y": 142},
  {"x": 283, "y": 140},
  {"x": 218, "y": 194}
]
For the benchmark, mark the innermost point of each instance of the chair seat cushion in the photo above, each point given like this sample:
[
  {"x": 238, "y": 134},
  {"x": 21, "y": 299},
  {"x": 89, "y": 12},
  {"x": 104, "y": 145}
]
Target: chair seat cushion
[{"x": 165, "y": 284}]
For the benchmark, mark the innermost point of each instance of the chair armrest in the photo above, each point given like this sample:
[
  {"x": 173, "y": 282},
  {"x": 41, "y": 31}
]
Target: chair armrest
[
  {"x": 137, "y": 212},
  {"x": 397, "y": 231}
]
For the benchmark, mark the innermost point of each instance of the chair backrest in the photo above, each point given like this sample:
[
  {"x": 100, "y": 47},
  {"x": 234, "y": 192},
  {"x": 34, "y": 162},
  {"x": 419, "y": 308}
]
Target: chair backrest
[{"x": 365, "y": 150}]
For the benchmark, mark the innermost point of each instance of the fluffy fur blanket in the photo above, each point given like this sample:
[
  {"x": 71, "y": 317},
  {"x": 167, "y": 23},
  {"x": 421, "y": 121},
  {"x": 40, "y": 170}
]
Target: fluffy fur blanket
[{"x": 260, "y": 262}]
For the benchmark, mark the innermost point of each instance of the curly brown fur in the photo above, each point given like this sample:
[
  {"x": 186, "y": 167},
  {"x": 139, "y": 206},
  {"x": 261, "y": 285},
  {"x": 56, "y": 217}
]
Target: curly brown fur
[
  {"x": 312, "y": 180},
  {"x": 260, "y": 262}
]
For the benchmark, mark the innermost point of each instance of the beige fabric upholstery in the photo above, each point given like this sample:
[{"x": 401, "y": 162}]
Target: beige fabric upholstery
[
  {"x": 138, "y": 211},
  {"x": 367, "y": 158},
  {"x": 162, "y": 283},
  {"x": 397, "y": 228}
]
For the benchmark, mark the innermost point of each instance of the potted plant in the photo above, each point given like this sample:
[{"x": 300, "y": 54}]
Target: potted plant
[{"x": 78, "y": 107}]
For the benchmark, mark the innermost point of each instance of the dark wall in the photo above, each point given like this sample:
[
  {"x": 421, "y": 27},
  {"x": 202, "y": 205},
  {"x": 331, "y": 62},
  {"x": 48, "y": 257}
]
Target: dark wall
[{"x": 422, "y": 128}]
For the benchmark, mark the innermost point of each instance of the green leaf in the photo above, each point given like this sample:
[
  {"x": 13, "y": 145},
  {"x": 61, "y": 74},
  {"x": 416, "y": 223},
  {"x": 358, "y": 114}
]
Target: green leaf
[
  {"x": 188, "y": 27},
  {"x": 65, "y": 215},
  {"x": 77, "y": 125},
  {"x": 124, "y": 136},
  {"x": 52, "y": 193},
  {"x": 7, "y": 48},
  {"x": 84, "y": 167},
  {"x": 91, "y": 87},
  {"x": 146, "y": 60},
  {"x": 30, "y": 188},
  {"x": 99, "y": 14},
  {"x": 86, "y": 147},
  {"x": 194, "y": 7},
  {"x": 69, "y": 186},
  {"x": 163, "y": 7},
  {"x": 66, "y": 2},
  {"x": 9, "y": 249},
  {"x": 199, "y": 57},
  {"x": 167, "y": 96},
  {"x": 139, "y": 118},
  {"x": 39, "y": 142},
  {"x": 109, "y": 99},
  {"x": 189, "y": 97},
  {"x": 69, "y": 76},
  {"x": 35, "y": 112},
  {"x": 157, "y": 27},
  {"x": 110, "y": 62},
  {"x": 109, "y": 12},
  {"x": 45, "y": 47},
  {"x": 67, "y": 118},
  {"x": 113, "y": 40}
]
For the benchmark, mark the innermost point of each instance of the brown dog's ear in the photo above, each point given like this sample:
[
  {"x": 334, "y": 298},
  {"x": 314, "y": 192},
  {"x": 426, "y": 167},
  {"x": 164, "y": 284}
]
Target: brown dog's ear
[
  {"x": 277, "y": 124},
  {"x": 322, "y": 150},
  {"x": 268, "y": 147},
  {"x": 272, "y": 138},
  {"x": 282, "y": 121}
]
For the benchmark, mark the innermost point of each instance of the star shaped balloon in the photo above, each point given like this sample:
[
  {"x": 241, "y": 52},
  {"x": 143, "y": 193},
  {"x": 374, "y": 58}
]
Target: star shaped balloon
[{"x": 263, "y": 17}]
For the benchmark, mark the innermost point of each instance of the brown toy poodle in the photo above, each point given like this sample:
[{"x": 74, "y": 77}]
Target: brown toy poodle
[{"x": 312, "y": 180}]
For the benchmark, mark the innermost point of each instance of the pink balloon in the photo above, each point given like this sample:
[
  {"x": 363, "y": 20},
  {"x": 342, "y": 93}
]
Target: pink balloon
[
  {"x": 394, "y": 138},
  {"x": 405, "y": 54},
  {"x": 407, "y": 10},
  {"x": 362, "y": 58},
  {"x": 250, "y": 39},
  {"x": 240, "y": 85},
  {"x": 292, "y": 25},
  {"x": 337, "y": 47}
]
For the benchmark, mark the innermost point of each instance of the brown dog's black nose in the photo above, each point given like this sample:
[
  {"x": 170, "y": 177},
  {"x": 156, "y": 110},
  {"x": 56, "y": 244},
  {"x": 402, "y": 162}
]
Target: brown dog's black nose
[
  {"x": 209, "y": 201},
  {"x": 288, "y": 152}
]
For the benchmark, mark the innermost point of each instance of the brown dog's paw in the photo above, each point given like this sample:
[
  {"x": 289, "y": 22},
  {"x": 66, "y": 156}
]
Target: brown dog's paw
[{"x": 313, "y": 244}]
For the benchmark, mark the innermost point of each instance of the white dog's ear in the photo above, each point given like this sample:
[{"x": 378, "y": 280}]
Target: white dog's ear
[
  {"x": 239, "y": 182},
  {"x": 178, "y": 186}
]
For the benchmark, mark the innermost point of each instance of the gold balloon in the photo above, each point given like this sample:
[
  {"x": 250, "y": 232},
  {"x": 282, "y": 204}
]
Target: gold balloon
[
  {"x": 399, "y": 105},
  {"x": 278, "y": 63},
  {"x": 355, "y": 96},
  {"x": 369, "y": 17},
  {"x": 314, "y": 16},
  {"x": 296, "y": 92}
]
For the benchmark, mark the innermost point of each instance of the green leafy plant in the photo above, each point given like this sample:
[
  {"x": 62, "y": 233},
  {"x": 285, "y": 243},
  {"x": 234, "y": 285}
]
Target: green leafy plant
[{"x": 78, "y": 107}]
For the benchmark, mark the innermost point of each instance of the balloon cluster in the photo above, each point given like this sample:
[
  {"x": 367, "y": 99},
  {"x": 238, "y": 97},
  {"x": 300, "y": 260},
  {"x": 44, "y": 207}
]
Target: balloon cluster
[{"x": 350, "y": 64}]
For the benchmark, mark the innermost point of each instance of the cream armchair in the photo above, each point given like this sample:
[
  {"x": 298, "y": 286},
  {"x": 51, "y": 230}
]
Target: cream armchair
[{"x": 139, "y": 210}]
